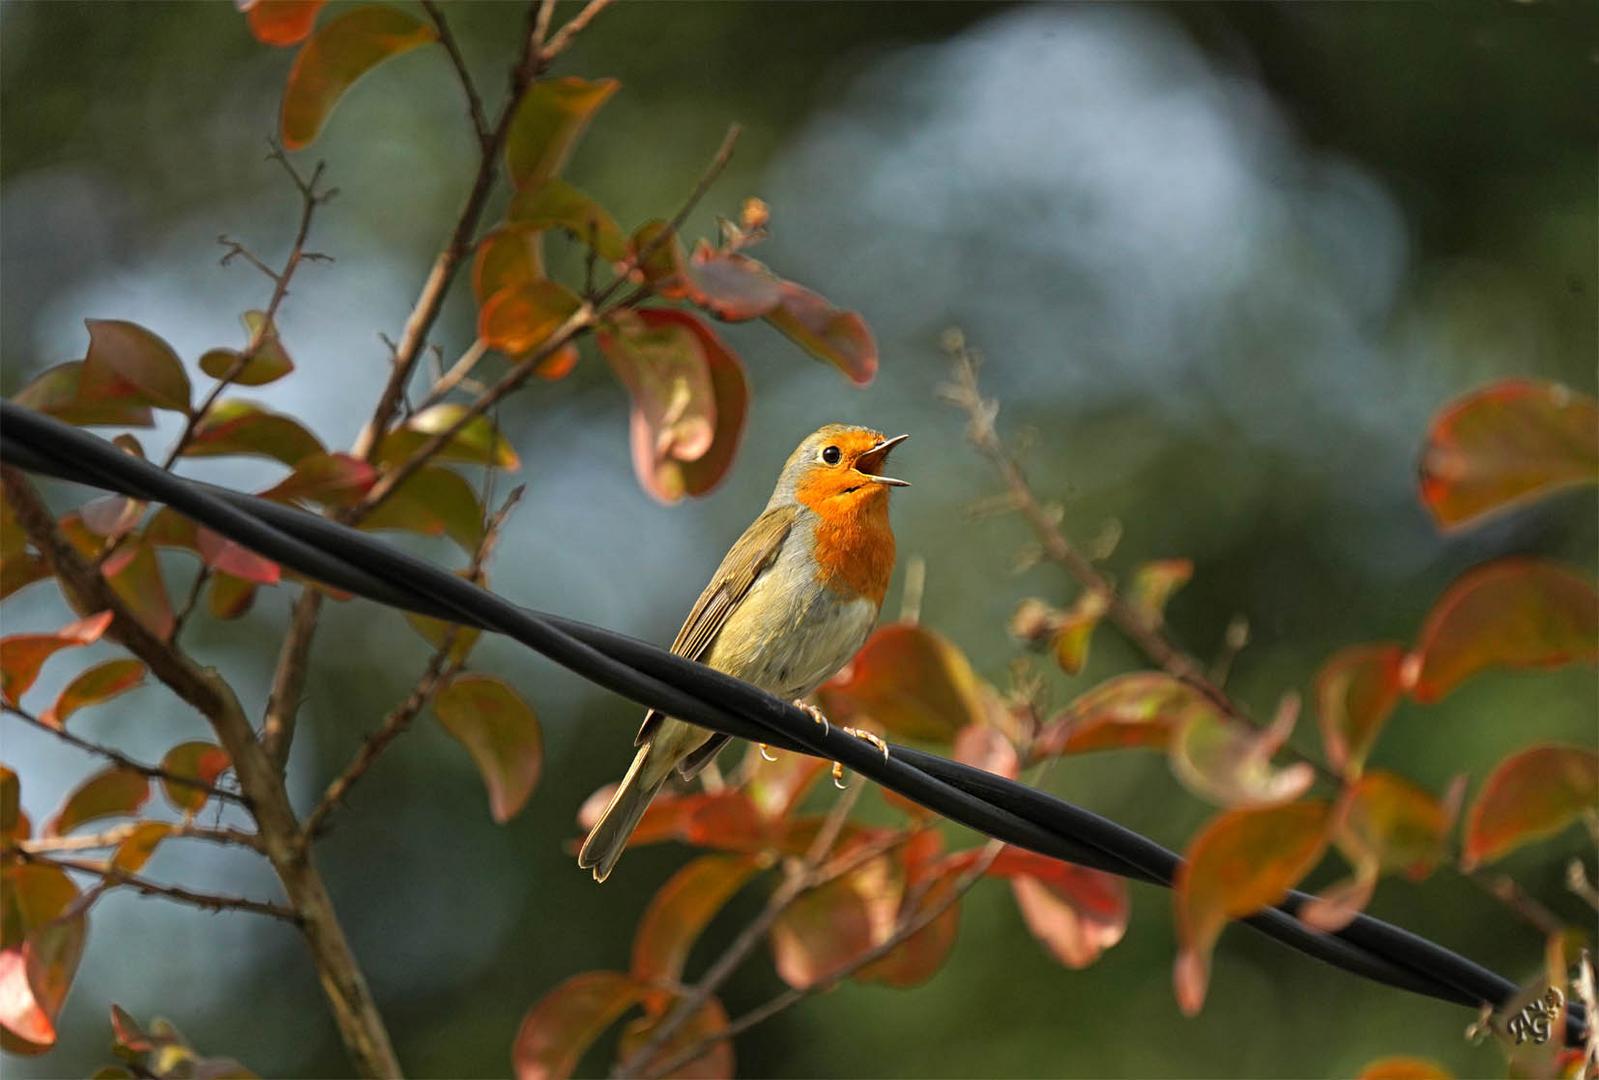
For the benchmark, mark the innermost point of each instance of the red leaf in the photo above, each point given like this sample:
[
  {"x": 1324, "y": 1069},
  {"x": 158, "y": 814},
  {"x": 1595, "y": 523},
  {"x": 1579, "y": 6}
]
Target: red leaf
[
  {"x": 562, "y": 1024},
  {"x": 99, "y": 683},
  {"x": 919, "y": 957},
  {"x": 240, "y": 427},
  {"x": 910, "y": 681},
  {"x": 679, "y": 913},
  {"x": 34, "y": 981},
  {"x": 112, "y": 516},
  {"x": 223, "y": 554},
  {"x": 548, "y": 122},
  {"x": 1507, "y": 444},
  {"x": 22, "y": 655},
  {"x": 346, "y": 48},
  {"x": 116, "y": 792},
  {"x": 777, "y": 787},
  {"x": 1141, "y": 709},
  {"x": 827, "y": 929},
  {"x": 840, "y": 338},
  {"x": 1515, "y": 612},
  {"x": 335, "y": 479},
  {"x": 1356, "y": 690},
  {"x": 716, "y": 1063},
  {"x": 127, "y": 361},
  {"x": 134, "y": 574},
  {"x": 501, "y": 733},
  {"x": 732, "y": 287},
  {"x": 58, "y": 392},
  {"x": 1241, "y": 862},
  {"x": 282, "y": 22},
  {"x": 1228, "y": 762},
  {"x": 196, "y": 760},
  {"x": 1077, "y": 913},
  {"x": 1531, "y": 795},
  {"x": 986, "y": 748}
]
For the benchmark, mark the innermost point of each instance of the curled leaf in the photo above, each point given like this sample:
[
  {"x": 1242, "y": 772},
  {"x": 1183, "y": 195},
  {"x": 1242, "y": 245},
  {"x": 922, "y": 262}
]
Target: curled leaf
[
  {"x": 22, "y": 655},
  {"x": 1153, "y": 584},
  {"x": 548, "y": 122},
  {"x": 344, "y": 49},
  {"x": 268, "y": 363},
  {"x": 1356, "y": 690},
  {"x": 115, "y": 792},
  {"x": 501, "y": 733},
  {"x": 909, "y": 680},
  {"x": 1077, "y": 913},
  {"x": 1530, "y": 795},
  {"x": 1141, "y": 709},
  {"x": 563, "y": 1023},
  {"x": 840, "y": 338},
  {"x": 127, "y": 361},
  {"x": 99, "y": 683},
  {"x": 1223, "y": 760},
  {"x": 1507, "y": 444}
]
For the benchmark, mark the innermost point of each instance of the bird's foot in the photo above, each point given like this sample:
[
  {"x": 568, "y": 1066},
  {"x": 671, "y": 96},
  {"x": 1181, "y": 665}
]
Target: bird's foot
[
  {"x": 766, "y": 753},
  {"x": 814, "y": 712},
  {"x": 867, "y": 736}
]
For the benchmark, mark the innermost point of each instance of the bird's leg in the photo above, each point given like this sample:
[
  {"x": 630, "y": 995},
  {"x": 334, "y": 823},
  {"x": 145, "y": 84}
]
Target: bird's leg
[
  {"x": 815, "y": 713},
  {"x": 859, "y": 733},
  {"x": 766, "y": 753}
]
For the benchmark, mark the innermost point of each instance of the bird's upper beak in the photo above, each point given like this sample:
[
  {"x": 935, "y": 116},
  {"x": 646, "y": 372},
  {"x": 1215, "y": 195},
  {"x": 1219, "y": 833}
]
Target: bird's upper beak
[{"x": 870, "y": 462}]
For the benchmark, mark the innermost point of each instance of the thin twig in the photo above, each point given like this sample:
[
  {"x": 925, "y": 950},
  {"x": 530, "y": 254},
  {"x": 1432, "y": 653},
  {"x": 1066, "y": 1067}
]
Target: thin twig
[
  {"x": 117, "y": 877},
  {"x": 122, "y": 760},
  {"x": 565, "y": 35},
  {"x": 113, "y": 837},
  {"x": 474, "y": 104},
  {"x": 458, "y": 371}
]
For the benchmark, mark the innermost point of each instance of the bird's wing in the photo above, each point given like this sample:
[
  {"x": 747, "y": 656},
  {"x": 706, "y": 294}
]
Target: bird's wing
[{"x": 756, "y": 550}]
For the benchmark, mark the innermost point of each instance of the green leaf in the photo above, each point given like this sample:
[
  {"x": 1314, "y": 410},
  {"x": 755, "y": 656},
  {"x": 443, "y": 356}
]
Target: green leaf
[
  {"x": 657, "y": 255},
  {"x": 196, "y": 760},
  {"x": 555, "y": 204},
  {"x": 100, "y": 683},
  {"x": 129, "y": 362},
  {"x": 840, "y": 338},
  {"x": 1153, "y": 585},
  {"x": 478, "y": 443},
  {"x": 549, "y": 120},
  {"x": 501, "y": 733},
  {"x": 343, "y": 50},
  {"x": 19, "y": 571},
  {"x": 230, "y": 597},
  {"x": 57, "y": 392},
  {"x": 140, "y": 844},
  {"x": 242, "y": 427},
  {"x": 433, "y": 501},
  {"x": 269, "y": 362},
  {"x": 11, "y": 818},
  {"x": 116, "y": 792}
]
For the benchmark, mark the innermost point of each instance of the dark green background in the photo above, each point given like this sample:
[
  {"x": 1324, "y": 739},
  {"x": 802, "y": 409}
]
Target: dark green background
[{"x": 1224, "y": 260}]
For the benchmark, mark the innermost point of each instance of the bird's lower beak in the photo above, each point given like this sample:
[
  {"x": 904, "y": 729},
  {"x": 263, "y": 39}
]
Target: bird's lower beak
[{"x": 870, "y": 462}]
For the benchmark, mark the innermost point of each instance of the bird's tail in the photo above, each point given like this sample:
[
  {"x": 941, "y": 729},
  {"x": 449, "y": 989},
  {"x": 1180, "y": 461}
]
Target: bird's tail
[{"x": 610, "y": 834}]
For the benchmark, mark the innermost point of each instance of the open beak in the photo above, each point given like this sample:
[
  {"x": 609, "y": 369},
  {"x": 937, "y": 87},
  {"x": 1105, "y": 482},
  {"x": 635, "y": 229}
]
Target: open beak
[{"x": 870, "y": 462}]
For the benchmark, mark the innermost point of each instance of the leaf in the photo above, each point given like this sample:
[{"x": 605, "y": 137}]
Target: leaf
[
  {"x": 134, "y": 851},
  {"x": 100, "y": 683},
  {"x": 555, "y": 204},
  {"x": 134, "y": 574},
  {"x": 1530, "y": 795},
  {"x": 1356, "y": 691},
  {"x": 730, "y": 286},
  {"x": 344, "y": 49},
  {"x": 115, "y": 792},
  {"x": 267, "y": 364},
  {"x": 335, "y": 479},
  {"x": 656, "y": 255},
  {"x": 1222, "y": 759},
  {"x": 1240, "y": 862},
  {"x": 1075, "y": 629},
  {"x": 561, "y": 1025},
  {"x": 17, "y": 572},
  {"x": 282, "y": 22},
  {"x": 840, "y": 338},
  {"x": 57, "y": 392},
  {"x": 1077, "y": 913},
  {"x": 435, "y": 631},
  {"x": 34, "y": 981},
  {"x": 234, "y": 558},
  {"x": 112, "y": 516},
  {"x": 501, "y": 733},
  {"x": 826, "y": 930},
  {"x": 241, "y": 427},
  {"x": 169, "y": 529},
  {"x": 517, "y": 319},
  {"x": 909, "y": 680},
  {"x": 1404, "y": 1068},
  {"x": 679, "y": 913},
  {"x": 161, "y": 1052},
  {"x": 127, "y": 361},
  {"x": 1507, "y": 444},
  {"x": 230, "y": 597},
  {"x": 23, "y": 655},
  {"x": 507, "y": 257},
  {"x": 11, "y": 816},
  {"x": 196, "y": 760},
  {"x": 433, "y": 501},
  {"x": 1516, "y": 612},
  {"x": 478, "y": 443},
  {"x": 986, "y": 747},
  {"x": 548, "y": 122},
  {"x": 919, "y": 957},
  {"x": 1141, "y": 709},
  {"x": 716, "y": 1063},
  {"x": 776, "y": 788},
  {"x": 1153, "y": 584}
]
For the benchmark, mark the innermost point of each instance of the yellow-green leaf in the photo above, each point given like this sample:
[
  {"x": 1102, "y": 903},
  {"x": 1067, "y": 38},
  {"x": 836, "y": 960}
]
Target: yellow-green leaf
[
  {"x": 547, "y": 124},
  {"x": 501, "y": 733},
  {"x": 338, "y": 54}
]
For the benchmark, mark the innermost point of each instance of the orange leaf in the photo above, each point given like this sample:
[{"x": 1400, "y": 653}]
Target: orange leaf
[
  {"x": 1141, "y": 709},
  {"x": 1356, "y": 690},
  {"x": 919, "y": 957},
  {"x": 140, "y": 844},
  {"x": 1077, "y": 913},
  {"x": 282, "y": 22},
  {"x": 519, "y": 318},
  {"x": 34, "y": 981},
  {"x": 197, "y": 760},
  {"x": 988, "y": 749},
  {"x": 548, "y": 122},
  {"x": 58, "y": 392},
  {"x": 507, "y": 257},
  {"x": 1530, "y": 795},
  {"x": 501, "y": 733},
  {"x": 776, "y": 787},
  {"x": 1516, "y": 612},
  {"x": 1507, "y": 444},
  {"x": 1240, "y": 862},
  {"x": 346, "y": 48},
  {"x": 827, "y": 929},
  {"x": 1222, "y": 759},
  {"x": 910, "y": 681},
  {"x": 1404, "y": 1068},
  {"x": 679, "y": 913},
  {"x": 715, "y": 1064},
  {"x": 127, "y": 361},
  {"x": 561, "y": 1025},
  {"x": 115, "y": 792},
  {"x": 840, "y": 338},
  {"x": 23, "y": 655},
  {"x": 99, "y": 683}
]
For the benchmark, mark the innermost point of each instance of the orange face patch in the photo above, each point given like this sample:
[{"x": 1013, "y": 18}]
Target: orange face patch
[{"x": 854, "y": 545}]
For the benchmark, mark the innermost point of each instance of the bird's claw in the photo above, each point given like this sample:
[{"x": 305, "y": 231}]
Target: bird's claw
[
  {"x": 867, "y": 736},
  {"x": 814, "y": 713},
  {"x": 766, "y": 753}
]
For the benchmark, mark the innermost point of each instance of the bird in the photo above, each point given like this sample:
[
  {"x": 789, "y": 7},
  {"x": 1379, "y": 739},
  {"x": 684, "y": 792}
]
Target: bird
[{"x": 791, "y": 603}]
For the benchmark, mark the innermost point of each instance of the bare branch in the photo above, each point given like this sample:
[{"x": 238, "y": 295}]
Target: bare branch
[
  {"x": 458, "y": 372},
  {"x": 474, "y": 104},
  {"x": 565, "y": 35},
  {"x": 115, "y": 877},
  {"x": 110, "y": 838}
]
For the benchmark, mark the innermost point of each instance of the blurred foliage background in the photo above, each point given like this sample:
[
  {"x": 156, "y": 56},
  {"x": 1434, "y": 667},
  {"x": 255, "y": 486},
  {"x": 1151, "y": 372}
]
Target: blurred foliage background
[{"x": 1224, "y": 261}]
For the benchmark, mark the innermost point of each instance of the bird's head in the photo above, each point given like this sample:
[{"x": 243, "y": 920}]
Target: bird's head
[{"x": 837, "y": 468}]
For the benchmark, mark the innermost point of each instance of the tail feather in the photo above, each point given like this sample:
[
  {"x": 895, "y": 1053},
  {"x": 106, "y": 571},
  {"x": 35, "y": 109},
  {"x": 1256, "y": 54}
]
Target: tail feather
[{"x": 608, "y": 839}]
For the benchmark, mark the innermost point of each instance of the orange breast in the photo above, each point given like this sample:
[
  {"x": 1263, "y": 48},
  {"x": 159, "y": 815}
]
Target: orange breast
[{"x": 854, "y": 545}]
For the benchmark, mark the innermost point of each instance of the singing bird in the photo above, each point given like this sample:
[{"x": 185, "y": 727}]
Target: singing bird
[{"x": 793, "y": 600}]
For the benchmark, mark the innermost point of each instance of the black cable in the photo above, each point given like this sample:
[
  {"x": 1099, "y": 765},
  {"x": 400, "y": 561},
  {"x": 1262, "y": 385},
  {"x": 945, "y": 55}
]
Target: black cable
[{"x": 358, "y": 563}]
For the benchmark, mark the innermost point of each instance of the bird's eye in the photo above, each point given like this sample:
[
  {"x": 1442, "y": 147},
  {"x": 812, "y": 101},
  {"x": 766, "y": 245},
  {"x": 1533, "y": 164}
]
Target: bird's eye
[{"x": 831, "y": 455}]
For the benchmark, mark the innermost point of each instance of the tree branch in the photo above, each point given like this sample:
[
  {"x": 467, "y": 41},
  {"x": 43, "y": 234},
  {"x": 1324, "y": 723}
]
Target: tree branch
[
  {"x": 565, "y": 35},
  {"x": 116, "y": 877},
  {"x": 110, "y": 838},
  {"x": 474, "y": 104}
]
